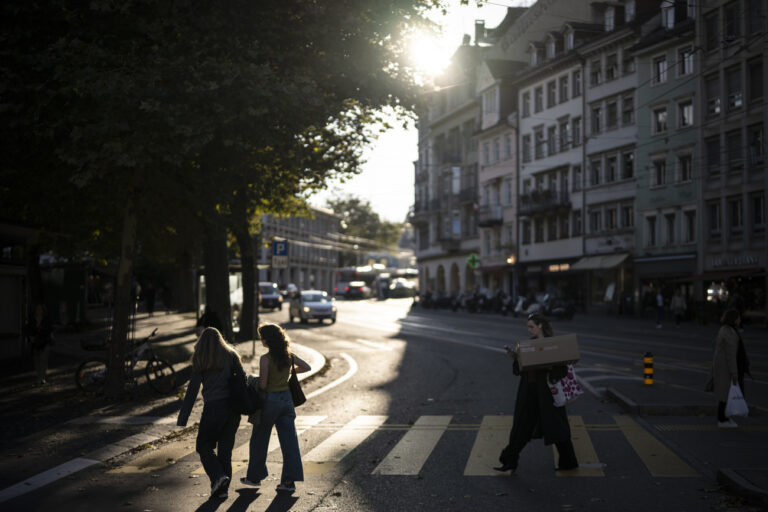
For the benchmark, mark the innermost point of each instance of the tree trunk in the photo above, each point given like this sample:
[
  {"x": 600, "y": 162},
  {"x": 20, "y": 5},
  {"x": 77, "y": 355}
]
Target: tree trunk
[
  {"x": 120, "y": 319},
  {"x": 249, "y": 314},
  {"x": 217, "y": 277},
  {"x": 34, "y": 280}
]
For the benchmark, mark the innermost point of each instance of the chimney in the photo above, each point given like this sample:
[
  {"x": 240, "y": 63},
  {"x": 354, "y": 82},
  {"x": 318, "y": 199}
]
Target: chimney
[{"x": 479, "y": 31}]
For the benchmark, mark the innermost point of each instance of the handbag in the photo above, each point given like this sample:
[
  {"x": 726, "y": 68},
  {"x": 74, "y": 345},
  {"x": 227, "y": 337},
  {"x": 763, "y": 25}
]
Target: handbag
[
  {"x": 736, "y": 405},
  {"x": 567, "y": 389},
  {"x": 244, "y": 395},
  {"x": 295, "y": 386}
]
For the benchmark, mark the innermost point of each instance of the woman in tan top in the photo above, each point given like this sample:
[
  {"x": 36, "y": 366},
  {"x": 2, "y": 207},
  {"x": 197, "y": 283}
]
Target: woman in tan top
[{"x": 277, "y": 409}]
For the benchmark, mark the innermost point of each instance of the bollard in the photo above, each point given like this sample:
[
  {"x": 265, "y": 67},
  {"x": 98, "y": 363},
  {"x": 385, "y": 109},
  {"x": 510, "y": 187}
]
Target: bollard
[{"x": 648, "y": 369}]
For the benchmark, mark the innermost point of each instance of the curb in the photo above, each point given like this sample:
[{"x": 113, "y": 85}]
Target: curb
[
  {"x": 632, "y": 407},
  {"x": 734, "y": 481}
]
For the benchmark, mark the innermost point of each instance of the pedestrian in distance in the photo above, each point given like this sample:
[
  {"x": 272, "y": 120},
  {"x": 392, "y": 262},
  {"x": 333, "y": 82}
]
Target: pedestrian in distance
[
  {"x": 209, "y": 318},
  {"x": 659, "y": 308},
  {"x": 729, "y": 364},
  {"x": 678, "y": 307},
  {"x": 212, "y": 364},
  {"x": 40, "y": 334},
  {"x": 277, "y": 410},
  {"x": 535, "y": 413}
]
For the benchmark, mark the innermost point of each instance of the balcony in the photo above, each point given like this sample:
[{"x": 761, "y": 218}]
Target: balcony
[
  {"x": 490, "y": 216},
  {"x": 450, "y": 242},
  {"x": 468, "y": 195},
  {"x": 542, "y": 200}
]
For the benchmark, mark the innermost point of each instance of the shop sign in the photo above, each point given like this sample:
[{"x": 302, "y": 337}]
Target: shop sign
[
  {"x": 738, "y": 261},
  {"x": 558, "y": 267}
]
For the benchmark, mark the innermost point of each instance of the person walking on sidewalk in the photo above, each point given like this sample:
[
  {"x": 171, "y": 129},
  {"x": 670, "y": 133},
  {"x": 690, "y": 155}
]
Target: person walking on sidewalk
[
  {"x": 678, "y": 307},
  {"x": 659, "y": 308},
  {"x": 729, "y": 364},
  {"x": 277, "y": 410},
  {"x": 212, "y": 364},
  {"x": 535, "y": 412},
  {"x": 40, "y": 333}
]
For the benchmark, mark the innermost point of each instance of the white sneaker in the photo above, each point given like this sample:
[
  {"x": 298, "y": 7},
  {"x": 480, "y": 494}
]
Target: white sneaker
[{"x": 727, "y": 424}]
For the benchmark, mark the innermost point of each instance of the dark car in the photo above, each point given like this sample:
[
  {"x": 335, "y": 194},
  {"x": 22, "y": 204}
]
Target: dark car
[
  {"x": 357, "y": 290},
  {"x": 270, "y": 296}
]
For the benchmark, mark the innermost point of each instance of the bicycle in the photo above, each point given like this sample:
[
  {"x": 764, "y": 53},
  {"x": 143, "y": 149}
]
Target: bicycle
[{"x": 91, "y": 375}]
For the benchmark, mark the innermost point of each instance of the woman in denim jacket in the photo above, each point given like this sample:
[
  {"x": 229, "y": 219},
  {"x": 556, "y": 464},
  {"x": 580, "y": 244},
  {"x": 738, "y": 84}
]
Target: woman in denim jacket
[
  {"x": 212, "y": 364},
  {"x": 277, "y": 409}
]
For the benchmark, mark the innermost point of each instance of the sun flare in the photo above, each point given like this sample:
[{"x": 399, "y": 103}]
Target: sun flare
[{"x": 428, "y": 56}]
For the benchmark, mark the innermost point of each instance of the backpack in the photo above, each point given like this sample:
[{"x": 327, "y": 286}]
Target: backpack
[{"x": 243, "y": 391}]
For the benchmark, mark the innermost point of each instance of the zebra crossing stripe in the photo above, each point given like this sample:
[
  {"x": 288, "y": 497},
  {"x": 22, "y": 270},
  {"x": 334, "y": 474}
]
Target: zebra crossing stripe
[
  {"x": 659, "y": 459},
  {"x": 328, "y": 453},
  {"x": 491, "y": 438},
  {"x": 409, "y": 455},
  {"x": 589, "y": 465}
]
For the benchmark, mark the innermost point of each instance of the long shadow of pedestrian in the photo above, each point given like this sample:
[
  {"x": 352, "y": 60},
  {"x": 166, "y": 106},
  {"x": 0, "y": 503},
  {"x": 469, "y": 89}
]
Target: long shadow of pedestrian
[
  {"x": 282, "y": 502},
  {"x": 245, "y": 498}
]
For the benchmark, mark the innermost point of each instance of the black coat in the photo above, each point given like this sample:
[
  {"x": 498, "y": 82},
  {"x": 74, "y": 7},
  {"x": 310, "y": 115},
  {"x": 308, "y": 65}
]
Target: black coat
[{"x": 552, "y": 422}]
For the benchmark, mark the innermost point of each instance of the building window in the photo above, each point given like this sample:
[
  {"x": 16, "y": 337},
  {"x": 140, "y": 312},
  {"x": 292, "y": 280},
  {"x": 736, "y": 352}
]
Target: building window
[
  {"x": 733, "y": 85},
  {"x": 685, "y": 61},
  {"x": 659, "y": 120},
  {"x": 627, "y": 165},
  {"x": 486, "y": 153},
  {"x": 713, "y": 217},
  {"x": 551, "y": 136},
  {"x": 712, "y": 90},
  {"x": 595, "y": 73},
  {"x": 539, "y": 143},
  {"x": 755, "y": 17},
  {"x": 538, "y": 227},
  {"x": 627, "y": 217},
  {"x": 756, "y": 148},
  {"x": 627, "y": 61},
  {"x": 610, "y": 19},
  {"x": 551, "y": 94},
  {"x": 650, "y": 231},
  {"x": 712, "y": 31},
  {"x": 732, "y": 22},
  {"x": 659, "y": 172},
  {"x": 659, "y": 70},
  {"x": 595, "y": 167},
  {"x": 490, "y": 101},
  {"x": 538, "y": 99},
  {"x": 758, "y": 212},
  {"x": 712, "y": 149},
  {"x": 610, "y": 169},
  {"x": 526, "y": 148},
  {"x": 689, "y": 217},
  {"x": 629, "y": 11},
  {"x": 734, "y": 150},
  {"x": 564, "y": 142},
  {"x": 576, "y": 83},
  {"x": 669, "y": 221},
  {"x": 735, "y": 216},
  {"x": 612, "y": 67},
  {"x": 628, "y": 110},
  {"x": 564, "y": 226},
  {"x": 755, "y": 70},
  {"x": 569, "y": 40},
  {"x": 552, "y": 228},
  {"x": 685, "y": 114},
  {"x": 563, "y": 88},
  {"x": 596, "y": 115},
  {"x": 668, "y": 14},
  {"x": 595, "y": 221},
  {"x": 576, "y": 223},
  {"x": 576, "y": 130},
  {"x": 496, "y": 150},
  {"x": 526, "y": 104},
  {"x": 610, "y": 219},
  {"x": 526, "y": 232},
  {"x": 611, "y": 116},
  {"x": 576, "y": 178},
  {"x": 685, "y": 167}
]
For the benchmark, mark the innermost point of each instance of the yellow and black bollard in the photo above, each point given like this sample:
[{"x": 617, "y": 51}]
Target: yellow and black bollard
[{"x": 648, "y": 369}]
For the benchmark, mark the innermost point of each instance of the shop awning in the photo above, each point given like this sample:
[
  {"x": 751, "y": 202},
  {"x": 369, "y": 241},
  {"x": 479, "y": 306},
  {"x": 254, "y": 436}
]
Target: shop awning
[{"x": 599, "y": 262}]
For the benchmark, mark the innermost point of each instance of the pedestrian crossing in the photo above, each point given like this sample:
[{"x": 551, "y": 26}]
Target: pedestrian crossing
[{"x": 418, "y": 442}]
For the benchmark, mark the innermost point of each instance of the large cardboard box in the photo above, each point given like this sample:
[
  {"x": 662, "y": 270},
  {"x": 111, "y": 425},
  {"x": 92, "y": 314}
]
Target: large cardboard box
[{"x": 547, "y": 351}]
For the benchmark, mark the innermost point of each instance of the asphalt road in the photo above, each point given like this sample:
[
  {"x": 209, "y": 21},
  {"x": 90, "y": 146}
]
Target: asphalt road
[{"x": 411, "y": 414}]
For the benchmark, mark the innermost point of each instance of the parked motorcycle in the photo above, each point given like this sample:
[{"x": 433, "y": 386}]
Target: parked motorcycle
[{"x": 525, "y": 307}]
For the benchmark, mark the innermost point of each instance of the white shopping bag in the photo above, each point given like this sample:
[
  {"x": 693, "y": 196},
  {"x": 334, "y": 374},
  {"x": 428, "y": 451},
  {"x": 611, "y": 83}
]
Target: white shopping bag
[
  {"x": 736, "y": 405},
  {"x": 567, "y": 389}
]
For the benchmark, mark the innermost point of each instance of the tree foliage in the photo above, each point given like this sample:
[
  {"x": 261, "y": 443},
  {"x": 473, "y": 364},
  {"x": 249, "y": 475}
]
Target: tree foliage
[{"x": 359, "y": 220}]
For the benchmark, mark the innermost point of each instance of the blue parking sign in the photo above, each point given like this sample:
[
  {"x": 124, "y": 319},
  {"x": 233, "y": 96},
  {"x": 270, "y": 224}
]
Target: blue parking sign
[{"x": 280, "y": 248}]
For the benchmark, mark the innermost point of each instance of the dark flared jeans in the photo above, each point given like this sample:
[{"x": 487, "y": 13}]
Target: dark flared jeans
[{"x": 216, "y": 438}]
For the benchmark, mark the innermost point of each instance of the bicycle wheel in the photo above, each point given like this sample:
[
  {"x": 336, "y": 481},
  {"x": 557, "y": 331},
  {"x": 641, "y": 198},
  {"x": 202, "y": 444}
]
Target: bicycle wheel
[
  {"x": 161, "y": 376},
  {"x": 91, "y": 375}
]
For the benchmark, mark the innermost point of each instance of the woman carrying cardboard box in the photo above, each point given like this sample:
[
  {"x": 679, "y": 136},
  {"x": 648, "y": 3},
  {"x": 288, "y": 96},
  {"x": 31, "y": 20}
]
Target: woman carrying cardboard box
[{"x": 535, "y": 413}]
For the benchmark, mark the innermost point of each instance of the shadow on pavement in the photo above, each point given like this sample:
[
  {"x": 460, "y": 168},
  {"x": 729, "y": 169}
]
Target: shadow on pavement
[{"x": 281, "y": 503}]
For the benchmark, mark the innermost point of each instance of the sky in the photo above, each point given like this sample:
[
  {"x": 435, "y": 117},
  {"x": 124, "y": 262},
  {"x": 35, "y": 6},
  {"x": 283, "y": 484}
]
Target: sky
[{"x": 386, "y": 180}]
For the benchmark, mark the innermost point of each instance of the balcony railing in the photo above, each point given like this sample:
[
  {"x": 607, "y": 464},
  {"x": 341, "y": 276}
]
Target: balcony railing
[
  {"x": 450, "y": 242},
  {"x": 489, "y": 216},
  {"x": 542, "y": 200}
]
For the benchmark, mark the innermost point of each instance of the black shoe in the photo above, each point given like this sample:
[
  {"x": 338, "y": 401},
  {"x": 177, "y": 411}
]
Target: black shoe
[{"x": 506, "y": 467}]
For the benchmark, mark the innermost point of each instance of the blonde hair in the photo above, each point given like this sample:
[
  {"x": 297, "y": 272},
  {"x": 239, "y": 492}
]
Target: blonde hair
[
  {"x": 278, "y": 343},
  {"x": 212, "y": 351}
]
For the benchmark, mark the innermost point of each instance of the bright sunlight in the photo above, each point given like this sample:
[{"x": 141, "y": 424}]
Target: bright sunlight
[{"x": 429, "y": 56}]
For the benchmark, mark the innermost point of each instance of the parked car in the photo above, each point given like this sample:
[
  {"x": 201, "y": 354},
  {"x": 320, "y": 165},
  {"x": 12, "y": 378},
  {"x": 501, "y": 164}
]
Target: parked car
[
  {"x": 312, "y": 304},
  {"x": 270, "y": 296},
  {"x": 402, "y": 287},
  {"x": 340, "y": 290},
  {"x": 357, "y": 290}
]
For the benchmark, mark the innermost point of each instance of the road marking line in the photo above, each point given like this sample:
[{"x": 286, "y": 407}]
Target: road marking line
[
  {"x": 373, "y": 344},
  {"x": 660, "y": 460},
  {"x": 123, "y": 420},
  {"x": 589, "y": 464},
  {"x": 45, "y": 478},
  {"x": 153, "y": 460},
  {"x": 328, "y": 453},
  {"x": 492, "y": 437},
  {"x": 412, "y": 451},
  {"x": 352, "y": 370}
]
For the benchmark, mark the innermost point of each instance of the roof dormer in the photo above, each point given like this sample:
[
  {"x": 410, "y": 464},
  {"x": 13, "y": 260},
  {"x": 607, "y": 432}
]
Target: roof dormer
[
  {"x": 536, "y": 50},
  {"x": 610, "y": 18},
  {"x": 569, "y": 34},
  {"x": 553, "y": 44}
]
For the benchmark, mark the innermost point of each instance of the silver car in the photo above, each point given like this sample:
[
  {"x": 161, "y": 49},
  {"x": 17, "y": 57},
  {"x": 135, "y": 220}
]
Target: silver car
[{"x": 312, "y": 304}]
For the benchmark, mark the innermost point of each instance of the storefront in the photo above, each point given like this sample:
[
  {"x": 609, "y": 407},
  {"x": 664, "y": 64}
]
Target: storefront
[
  {"x": 556, "y": 279},
  {"x": 738, "y": 282},
  {"x": 670, "y": 273},
  {"x": 606, "y": 278}
]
